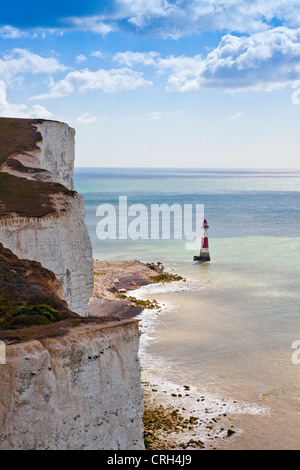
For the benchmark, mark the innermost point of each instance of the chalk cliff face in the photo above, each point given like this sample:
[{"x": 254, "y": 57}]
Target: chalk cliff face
[
  {"x": 78, "y": 391},
  {"x": 73, "y": 383},
  {"x": 41, "y": 217},
  {"x": 57, "y": 151}
]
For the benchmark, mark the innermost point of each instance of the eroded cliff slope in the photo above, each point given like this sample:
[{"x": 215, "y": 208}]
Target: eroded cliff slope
[{"x": 30, "y": 295}]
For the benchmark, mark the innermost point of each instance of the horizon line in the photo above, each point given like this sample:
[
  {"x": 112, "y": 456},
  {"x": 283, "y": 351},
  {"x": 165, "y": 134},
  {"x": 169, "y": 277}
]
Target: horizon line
[{"x": 189, "y": 168}]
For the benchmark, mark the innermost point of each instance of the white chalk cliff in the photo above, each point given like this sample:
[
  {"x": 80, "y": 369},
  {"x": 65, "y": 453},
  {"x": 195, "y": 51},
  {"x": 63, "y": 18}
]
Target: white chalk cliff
[
  {"x": 77, "y": 392},
  {"x": 57, "y": 238},
  {"x": 74, "y": 383}
]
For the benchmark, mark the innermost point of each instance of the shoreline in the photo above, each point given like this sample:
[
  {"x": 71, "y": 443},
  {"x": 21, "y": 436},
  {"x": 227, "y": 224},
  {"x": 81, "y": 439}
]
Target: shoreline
[
  {"x": 176, "y": 416},
  {"x": 183, "y": 415}
]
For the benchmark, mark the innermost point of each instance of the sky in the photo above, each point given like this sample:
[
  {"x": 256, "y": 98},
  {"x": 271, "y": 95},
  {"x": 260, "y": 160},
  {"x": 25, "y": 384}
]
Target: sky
[{"x": 159, "y": 83}]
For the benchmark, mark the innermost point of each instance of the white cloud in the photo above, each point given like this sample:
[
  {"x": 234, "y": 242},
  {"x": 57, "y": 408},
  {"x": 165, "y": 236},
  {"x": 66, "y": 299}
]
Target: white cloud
[
  {"x": 97, "y": 54},
  {"x": 237, "y": 116},
  {"x": 155, "y": 115},
  {"x": 20, "y": 110},
  {"x": 109, "y": 81},
  {"x": 86, "y": 118},
  {"x": 21, "y": 61},
  {"x": 80, "y": 58},
  {"x": 94, "y": 24},
  {"x": 9, "y": 32},
  {"x": 130, "y": 58},
  {"x": 140, "y": 11}
]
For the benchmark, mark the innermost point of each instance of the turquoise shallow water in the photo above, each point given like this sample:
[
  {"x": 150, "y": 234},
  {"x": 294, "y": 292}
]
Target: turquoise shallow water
[{"x": 229, "y": 330}]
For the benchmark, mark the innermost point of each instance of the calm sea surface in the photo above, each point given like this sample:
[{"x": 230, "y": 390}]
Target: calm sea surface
[{"x": 229, "y": 329}]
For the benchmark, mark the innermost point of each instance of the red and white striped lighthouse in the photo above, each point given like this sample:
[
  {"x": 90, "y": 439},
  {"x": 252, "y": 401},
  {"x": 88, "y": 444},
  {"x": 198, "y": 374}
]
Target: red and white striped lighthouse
[{"x": 204, "y": 251}]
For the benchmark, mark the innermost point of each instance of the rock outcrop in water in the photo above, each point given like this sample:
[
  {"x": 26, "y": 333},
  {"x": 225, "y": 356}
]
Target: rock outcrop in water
[{"x": 41, "y": 216}]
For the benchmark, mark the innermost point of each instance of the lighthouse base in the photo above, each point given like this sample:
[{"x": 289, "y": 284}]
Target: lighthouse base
[{"x": 202, "y": 258}]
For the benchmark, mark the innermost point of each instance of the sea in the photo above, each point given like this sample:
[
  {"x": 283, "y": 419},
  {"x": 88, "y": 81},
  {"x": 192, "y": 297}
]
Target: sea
[{"x": 231, "y": 329}]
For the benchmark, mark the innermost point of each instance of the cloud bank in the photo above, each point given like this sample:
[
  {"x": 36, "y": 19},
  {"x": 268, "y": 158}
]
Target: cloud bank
[
  {"x": 109, "y": 81},
  {"x": 163, "y": 18},
  {"x": 263, "y": 61}
]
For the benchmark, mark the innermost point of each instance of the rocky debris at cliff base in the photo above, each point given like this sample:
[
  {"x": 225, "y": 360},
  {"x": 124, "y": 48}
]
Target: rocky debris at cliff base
[
  {"x": 111, "y": 277},
  {"x": 161, "y": 426},
  {"x": 113, "y": 280},
  {"x": 160, "y": 275},
  {"x": 174, "y": 419}
]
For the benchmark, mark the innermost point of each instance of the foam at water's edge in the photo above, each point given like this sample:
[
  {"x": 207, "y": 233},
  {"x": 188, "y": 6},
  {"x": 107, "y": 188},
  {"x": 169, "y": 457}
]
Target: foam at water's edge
[{"x": 162, "y": 288}]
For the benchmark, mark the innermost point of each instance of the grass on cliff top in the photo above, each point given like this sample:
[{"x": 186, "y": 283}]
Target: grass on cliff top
[
  {"x": 31, "y": 315},
  {"x": 18, "y": 311}
]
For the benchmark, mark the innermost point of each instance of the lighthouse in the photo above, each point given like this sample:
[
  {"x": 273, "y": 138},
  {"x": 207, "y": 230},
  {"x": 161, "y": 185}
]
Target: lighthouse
[{"x": 204, "y": 251}]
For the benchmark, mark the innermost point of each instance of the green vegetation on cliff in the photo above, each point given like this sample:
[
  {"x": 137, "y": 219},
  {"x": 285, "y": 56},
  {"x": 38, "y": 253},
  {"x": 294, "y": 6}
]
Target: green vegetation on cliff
[
  {"x": 31, "y": 315},
  {"x": 28, "y": 294}
]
